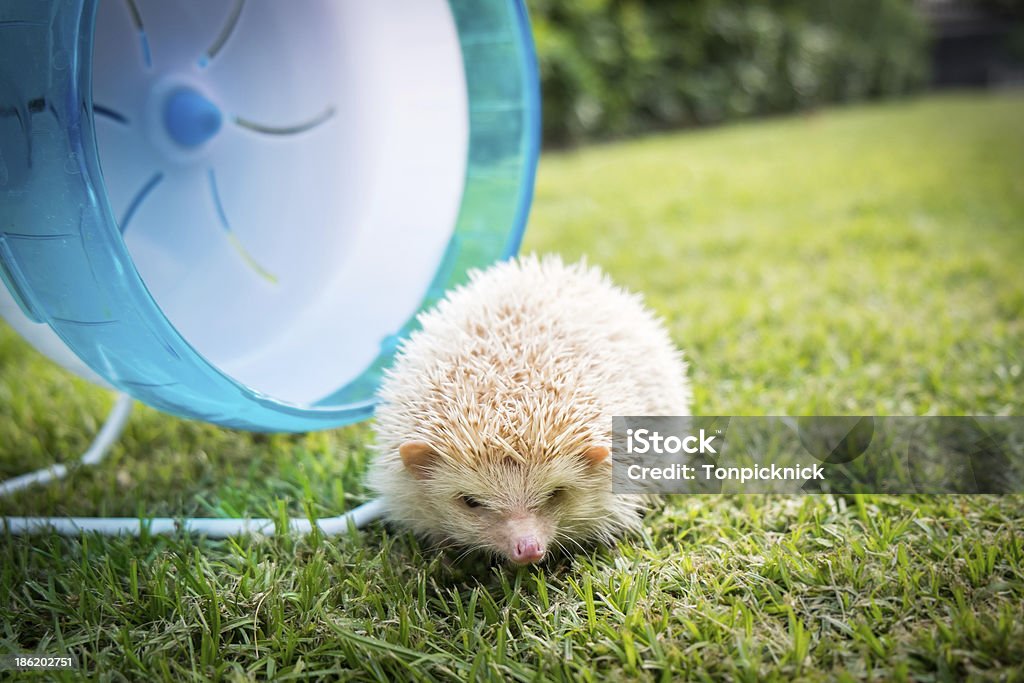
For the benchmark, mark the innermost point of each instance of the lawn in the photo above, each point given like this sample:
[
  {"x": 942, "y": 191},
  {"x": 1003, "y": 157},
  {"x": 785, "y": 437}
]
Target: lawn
[{"x": 852, "y": 261}]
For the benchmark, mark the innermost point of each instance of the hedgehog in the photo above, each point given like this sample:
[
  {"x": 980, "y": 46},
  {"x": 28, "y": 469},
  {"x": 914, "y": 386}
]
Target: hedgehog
[{"x": 494, "y": 423}]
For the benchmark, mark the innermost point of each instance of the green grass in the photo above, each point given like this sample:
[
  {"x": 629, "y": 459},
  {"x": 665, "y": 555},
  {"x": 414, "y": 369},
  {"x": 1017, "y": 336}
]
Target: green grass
[{"x": 864, "y": 260}]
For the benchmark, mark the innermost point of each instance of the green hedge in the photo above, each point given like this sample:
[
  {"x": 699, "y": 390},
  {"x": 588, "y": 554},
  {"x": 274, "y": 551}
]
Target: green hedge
[{"x": 618, "y": 67}]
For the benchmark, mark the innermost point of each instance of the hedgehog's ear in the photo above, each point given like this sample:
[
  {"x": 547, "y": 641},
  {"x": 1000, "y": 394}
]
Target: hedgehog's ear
[
  {"x": 595, "y": 455},
  {"x": 417, "y": 456}
]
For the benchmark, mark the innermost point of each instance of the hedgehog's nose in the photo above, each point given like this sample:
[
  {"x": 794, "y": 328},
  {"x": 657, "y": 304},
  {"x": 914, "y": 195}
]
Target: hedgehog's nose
[{"x": 527, "y": 550}]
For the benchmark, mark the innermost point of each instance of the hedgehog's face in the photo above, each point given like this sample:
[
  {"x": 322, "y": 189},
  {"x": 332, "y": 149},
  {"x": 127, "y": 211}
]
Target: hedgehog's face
[{"x": 517, "y": 509}]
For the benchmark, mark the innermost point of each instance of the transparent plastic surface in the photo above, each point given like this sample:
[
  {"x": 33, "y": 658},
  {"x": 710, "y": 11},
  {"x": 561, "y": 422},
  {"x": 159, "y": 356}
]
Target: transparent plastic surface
[
  {"x": 298, "y": 172},
  {"x": 65, "y": 262}
]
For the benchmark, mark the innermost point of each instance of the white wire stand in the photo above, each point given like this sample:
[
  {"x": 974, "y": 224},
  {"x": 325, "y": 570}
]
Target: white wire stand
[
  {"x": 211, "y": 527},
  {"x": 98, "y": 450}
]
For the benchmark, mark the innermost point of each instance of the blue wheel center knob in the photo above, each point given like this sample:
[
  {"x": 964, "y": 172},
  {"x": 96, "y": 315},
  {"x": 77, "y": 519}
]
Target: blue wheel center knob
[{"x": 190, "y": 118}]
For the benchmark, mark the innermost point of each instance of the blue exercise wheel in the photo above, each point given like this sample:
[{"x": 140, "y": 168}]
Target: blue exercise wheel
[{"x": 232, "y": 210}]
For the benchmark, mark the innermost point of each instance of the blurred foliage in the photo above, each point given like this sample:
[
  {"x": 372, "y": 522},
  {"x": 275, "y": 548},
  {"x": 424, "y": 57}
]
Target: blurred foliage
[
  {"x": 616, "y": 67},
  {"x": 1011, "y": 11},
  {"x": 1011, "y": 8}
]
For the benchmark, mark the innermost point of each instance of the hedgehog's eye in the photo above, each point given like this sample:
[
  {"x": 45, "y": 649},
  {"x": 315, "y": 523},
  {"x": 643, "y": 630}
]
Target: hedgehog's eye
[
  {"x": 470, "y": 501},
  {"x": 557, "y": 494}
]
